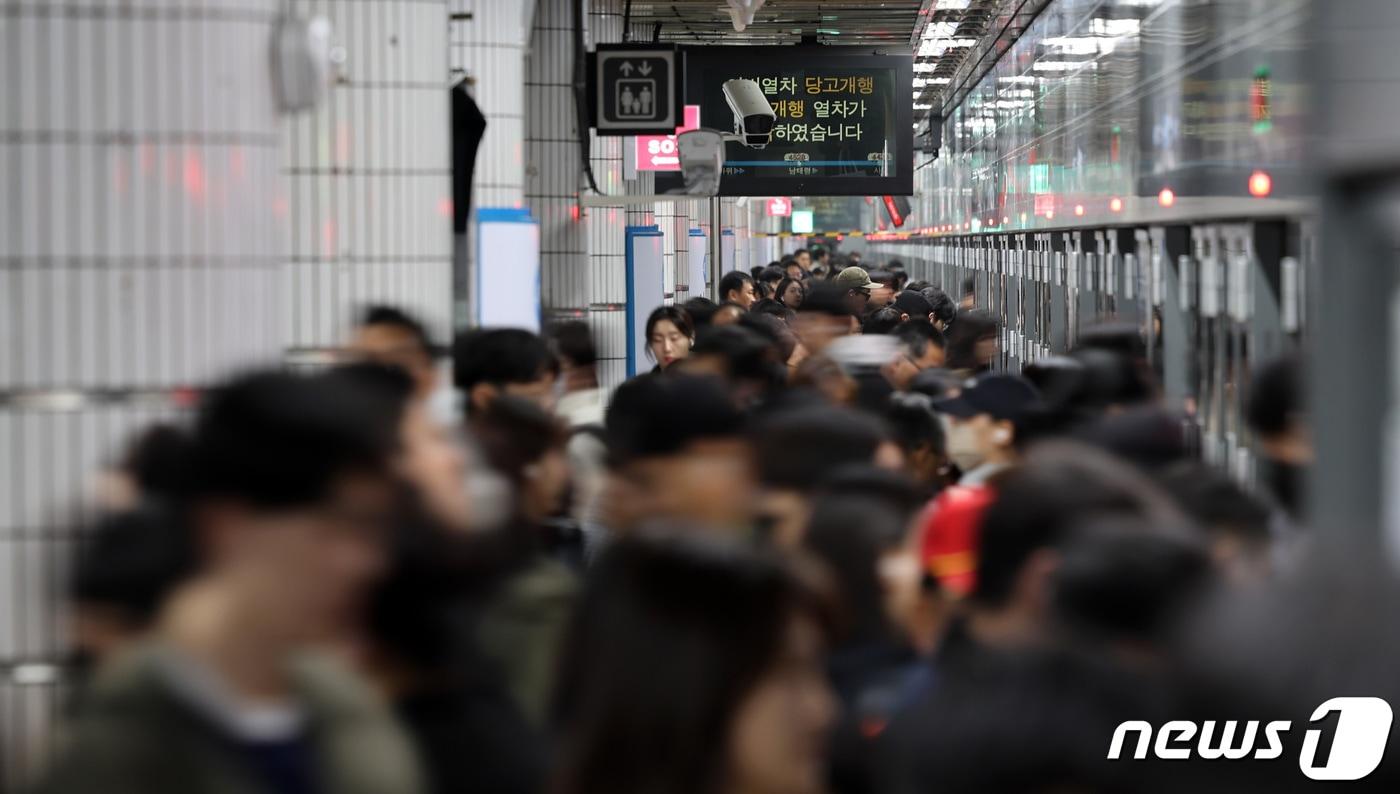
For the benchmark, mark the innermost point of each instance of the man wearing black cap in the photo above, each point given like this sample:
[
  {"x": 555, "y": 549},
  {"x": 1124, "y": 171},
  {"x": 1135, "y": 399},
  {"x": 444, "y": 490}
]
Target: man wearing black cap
[
  {"x": 913, "y": 306},
  {"x": 983, "y": 424}
]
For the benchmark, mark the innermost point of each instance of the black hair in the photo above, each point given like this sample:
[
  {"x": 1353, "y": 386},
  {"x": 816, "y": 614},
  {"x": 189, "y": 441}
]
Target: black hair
[
  {"x": 882, "y": 321},
  {"x": 801, "y": 251},
  {"x": 783, "y": 286},
  {"x": 1217, "y": 504},
  {"x": 773, "y": 327},
  {"x": 826, "y": 297},
  {"x": 727, "y": 305},
  {"x": 915, "y": 335},
  {"x": 756, "y": 271},
  {"x": 1028, "y": 722},
  {"x": 918, "y": 286},
  {"x": 895, "y": 265},
  {"x": 1110, "y": 378},
  {"x": 277, "y": 440},
  {"x": 914, "y": 423},
  {"x": 388, "y": 389},
  {"x": 733, "y": 281},
  {"x": 1147, "y": 435},
  {"x": 379, "y": 314},
  {"x": 772, "y": 274},
  {"x": 1277, "y": 396},
  {"x": 678, "y": 317},
  {"x": 749, "y": 355},
  {"x": 500, "y": 356},
  {"x": 156, "y": 460},
  {"x": 1059, "y": 487},
  {"x": 798, "y": 449},
  {"x": 935, "y": 382},
  {"x": 130, "y": 561},
  {"x": 894, "y": 489},
  {"x": 700, "y": 309},
  {"x": 717, "y": 614},
  {"x": 573, "y": 341},
  {"x": 663, "y": 413},
  {"x": 971, "y": 328},
  {"x": 944, "y": 309},
  {"x": 969, "y": 286},
  {"x": 517, "y": 433},
  {"x": 817, "y": 251},
  {"x": 773, "y": 308},
  {"x": 1121, "y": 578},
  {"x": 847, "y": 534},
  {"x": 1122, "y": 338}
]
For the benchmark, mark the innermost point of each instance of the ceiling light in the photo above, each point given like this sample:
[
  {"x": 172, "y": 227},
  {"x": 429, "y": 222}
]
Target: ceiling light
[
  {"x": 940, "y": 30},
  {"x": 1060, "y": 66},
  {"x": 925, "y": 66},
  {"x": 932, "y": 49},
  {"x": 1115, "y": 27},
  {"x": 1078, "y": 45},
  {"x": 953, "y": 5}
]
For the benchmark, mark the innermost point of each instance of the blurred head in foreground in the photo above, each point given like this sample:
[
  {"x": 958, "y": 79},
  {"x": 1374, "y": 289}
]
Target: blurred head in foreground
[{"x": 740, "y": 702}]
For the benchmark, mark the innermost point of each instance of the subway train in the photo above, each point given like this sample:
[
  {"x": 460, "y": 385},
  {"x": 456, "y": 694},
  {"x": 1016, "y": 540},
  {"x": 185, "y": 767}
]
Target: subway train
[{"x": 1135, "y": 162}]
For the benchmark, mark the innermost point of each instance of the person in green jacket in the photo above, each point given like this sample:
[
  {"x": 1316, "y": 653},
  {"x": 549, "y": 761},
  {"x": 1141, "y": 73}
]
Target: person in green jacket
[{"x": 284, "y": 513}]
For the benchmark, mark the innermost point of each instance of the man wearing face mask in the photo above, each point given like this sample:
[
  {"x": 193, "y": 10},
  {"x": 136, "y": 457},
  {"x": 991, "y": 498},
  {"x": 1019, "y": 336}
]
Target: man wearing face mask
[{"x": 983, "y": 423}]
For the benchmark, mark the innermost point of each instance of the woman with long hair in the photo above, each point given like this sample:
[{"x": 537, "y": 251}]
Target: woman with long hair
[{"x": 693, "y": 667}]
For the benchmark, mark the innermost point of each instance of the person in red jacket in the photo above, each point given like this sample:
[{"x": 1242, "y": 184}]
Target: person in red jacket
[{"x": 982, "y": 440}]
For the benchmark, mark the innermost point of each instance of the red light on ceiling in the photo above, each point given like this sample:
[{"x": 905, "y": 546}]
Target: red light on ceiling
[
  {"x": 1079, "y": 210},
  {"x": 574, "y": 212},
  {"x": 1167, "y": 197},
  {"x": 1115, "y": 204},
  {"x": 1260, "y": 184}
]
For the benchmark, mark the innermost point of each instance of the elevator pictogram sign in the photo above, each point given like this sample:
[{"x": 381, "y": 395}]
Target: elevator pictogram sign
[{"x": 637, "y": 91}]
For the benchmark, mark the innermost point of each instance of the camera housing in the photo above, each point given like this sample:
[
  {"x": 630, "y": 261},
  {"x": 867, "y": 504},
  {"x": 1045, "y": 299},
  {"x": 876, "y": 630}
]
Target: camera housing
[
  {"x": 753, "y": 114},
  {"x": 702, "y": 161}
]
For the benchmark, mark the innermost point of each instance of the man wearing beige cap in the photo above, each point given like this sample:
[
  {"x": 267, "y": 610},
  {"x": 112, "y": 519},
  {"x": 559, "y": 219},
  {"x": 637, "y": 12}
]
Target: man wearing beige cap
[{"x": 858, "y": 287}]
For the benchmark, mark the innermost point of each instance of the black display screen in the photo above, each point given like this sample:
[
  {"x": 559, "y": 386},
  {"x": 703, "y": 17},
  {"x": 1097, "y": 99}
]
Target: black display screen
[{"x": 843, "y": 124}]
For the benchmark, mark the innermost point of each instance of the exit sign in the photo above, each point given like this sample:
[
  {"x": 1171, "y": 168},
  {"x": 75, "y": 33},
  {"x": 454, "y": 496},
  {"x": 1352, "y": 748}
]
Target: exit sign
[
  {"x": 779, "y": 207},
  {"x": 658, "y": 152}
]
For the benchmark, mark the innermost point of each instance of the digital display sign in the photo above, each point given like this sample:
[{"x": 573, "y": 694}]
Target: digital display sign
[{"x": 843, "y": 125}]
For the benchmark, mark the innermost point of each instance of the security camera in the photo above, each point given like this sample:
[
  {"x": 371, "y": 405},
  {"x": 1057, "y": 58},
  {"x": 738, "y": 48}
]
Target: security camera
[
  {"x": 753, "y": 116},
  {"x": 702, "y": 160}
]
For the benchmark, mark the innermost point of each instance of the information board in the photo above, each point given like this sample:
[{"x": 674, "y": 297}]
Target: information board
[
  {"x": 646, "y": 288},
  {"x": 843, "y": 127},
  {"x": 507, "y": 268}
]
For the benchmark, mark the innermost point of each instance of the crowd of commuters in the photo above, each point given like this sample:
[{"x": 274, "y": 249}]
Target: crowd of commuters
[{"x": 826, "y": 544}]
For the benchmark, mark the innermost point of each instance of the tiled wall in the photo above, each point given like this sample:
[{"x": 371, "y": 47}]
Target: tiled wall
[
  {"x": 488, "y": 43},
  {"x": 606, "y": 226},
  {"x": 369, "y": 174},
  {"x": 142, "y": 240},
  {"x": 552, "y": 172}
]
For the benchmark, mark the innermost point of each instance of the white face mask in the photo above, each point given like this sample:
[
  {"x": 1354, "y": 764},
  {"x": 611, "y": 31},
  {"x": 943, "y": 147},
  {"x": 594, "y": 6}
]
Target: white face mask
[{"x": 965, "y": 445}]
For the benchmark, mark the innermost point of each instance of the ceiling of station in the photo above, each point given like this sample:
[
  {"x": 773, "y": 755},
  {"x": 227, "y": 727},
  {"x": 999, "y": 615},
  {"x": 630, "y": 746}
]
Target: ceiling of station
[{"x": 941, "y": 34}]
